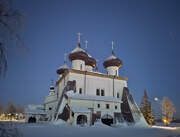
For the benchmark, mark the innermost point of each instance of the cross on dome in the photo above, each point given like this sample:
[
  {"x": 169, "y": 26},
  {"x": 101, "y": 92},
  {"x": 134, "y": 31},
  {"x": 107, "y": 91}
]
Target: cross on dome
[
  {"x": 65, "y": 57},
  {"x": 113, "y": 47},
  {"x": 79, "y": 37},
  {"x": 86, "y": 44}
]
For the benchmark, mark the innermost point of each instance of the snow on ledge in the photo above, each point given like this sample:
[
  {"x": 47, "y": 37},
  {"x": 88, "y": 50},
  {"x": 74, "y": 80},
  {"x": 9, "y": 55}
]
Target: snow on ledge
[{"x": 73, "y": 95}]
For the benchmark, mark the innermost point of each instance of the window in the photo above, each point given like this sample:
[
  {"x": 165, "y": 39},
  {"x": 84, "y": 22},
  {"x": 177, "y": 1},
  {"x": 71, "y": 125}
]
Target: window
[
  {"x": 80, "y": 90},
  {"x": 98, "y": 105},
  {"x": 81, "y": 67},
  {"x": 97, "y": 92},
  {"x": 117, "y": 95},
  {"x": 115, "y": 106},
  {"x": 107, "y": 106},
  {"x": 102, "y": 92}
]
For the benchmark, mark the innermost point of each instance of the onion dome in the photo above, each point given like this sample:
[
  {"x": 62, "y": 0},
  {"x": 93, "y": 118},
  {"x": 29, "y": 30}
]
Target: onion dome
[
  {"x": 90, "y": 61},
  {"x": 62, "y": 69},
  {"x": 51, "y": 88},
  {"x": 78, "y": 53},
  {"x": 112, "y": 61}
]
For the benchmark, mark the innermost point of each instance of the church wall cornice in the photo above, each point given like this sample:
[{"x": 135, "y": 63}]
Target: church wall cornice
[{"x": 91, "y": 74}]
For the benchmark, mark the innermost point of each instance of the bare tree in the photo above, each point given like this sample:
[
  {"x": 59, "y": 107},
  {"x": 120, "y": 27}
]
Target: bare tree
[
  {"x": 10, "y": 29},
  {"x": 168, "y": 110},
  {"x": 11, "y": 109}
]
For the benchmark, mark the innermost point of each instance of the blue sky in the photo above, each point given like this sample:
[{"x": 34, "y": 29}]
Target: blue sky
[{"x": 146, "y": 35}]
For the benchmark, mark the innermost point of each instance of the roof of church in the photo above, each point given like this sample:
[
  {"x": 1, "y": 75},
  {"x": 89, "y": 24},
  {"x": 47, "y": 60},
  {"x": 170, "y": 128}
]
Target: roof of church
[
  {"x": 90, "y": 61},
  {"x": 78, "y": 53},
  {"x": 78, "y": 49},
  {"x": 112, "y": 61},
  {"x": 62, "y": 69}
]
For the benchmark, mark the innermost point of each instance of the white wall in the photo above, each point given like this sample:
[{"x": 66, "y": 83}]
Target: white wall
[
  {"x": 76, "y": 64},
  {"x": 94, "y": 105},
  {"x": 90, "y": 83},
  {"x": 89, "y": 68},
  {"x": 60, "y": 87},
  {"x": 113, "y": 70},
  {"x": 50, "y": 102},
  {"x": 118, "y": 87}
]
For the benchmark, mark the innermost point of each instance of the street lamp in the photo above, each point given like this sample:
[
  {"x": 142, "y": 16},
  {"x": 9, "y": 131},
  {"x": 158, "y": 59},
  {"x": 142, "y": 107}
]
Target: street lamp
[{"x": 156, "y": 99}]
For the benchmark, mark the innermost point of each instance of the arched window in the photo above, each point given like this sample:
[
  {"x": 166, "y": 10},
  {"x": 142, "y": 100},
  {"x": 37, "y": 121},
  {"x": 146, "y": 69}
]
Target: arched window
[{"x": 81, "y": 119}]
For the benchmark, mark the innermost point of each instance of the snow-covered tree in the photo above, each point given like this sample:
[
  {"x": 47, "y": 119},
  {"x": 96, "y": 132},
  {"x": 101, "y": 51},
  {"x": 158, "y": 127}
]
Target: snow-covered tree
[
  {"x": 168, "y": 110},
  {"x": 10, "y": 30},
  {"x": 146, "y": 109}
]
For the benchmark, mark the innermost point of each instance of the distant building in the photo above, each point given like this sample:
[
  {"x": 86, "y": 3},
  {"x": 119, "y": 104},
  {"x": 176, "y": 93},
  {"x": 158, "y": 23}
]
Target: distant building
[{"x": 35, "y": 113}]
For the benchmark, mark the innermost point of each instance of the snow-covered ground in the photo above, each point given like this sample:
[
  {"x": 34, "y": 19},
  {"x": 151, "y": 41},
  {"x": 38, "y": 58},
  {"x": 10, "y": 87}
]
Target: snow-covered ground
[{"x": 98, "y": 130}]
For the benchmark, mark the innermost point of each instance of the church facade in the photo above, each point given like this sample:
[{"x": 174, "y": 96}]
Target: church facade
[{"x": 83, "y": 95}]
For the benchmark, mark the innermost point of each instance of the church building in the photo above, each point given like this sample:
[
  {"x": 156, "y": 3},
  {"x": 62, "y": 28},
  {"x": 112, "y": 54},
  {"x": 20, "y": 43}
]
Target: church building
[{"x": 83, "y": 95}]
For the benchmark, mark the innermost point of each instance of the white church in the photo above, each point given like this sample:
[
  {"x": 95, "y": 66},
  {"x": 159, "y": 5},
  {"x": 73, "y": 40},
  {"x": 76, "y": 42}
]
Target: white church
[{"x": 83, "y": 95}]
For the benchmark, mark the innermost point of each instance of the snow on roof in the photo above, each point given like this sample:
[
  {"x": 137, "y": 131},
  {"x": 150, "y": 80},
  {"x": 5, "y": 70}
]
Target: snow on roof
[
  {"x": 32, "y": 106},
  {"x": 77, "y": 49},
  {"x": 64, "y": 66},
  {"x": 80, "y": 109},
  {"x": 89, "y": 56},
  {"x": 98, "y": 72},
  {"x": 111, "y": 57},
  {"x": 35, "y": 111},
  {"x": 73, "y": 95}
]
